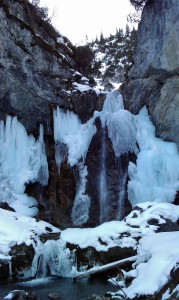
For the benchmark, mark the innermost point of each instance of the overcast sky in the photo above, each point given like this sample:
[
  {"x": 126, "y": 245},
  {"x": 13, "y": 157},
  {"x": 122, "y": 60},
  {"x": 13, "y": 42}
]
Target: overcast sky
[{"x": 78, "y": 18}]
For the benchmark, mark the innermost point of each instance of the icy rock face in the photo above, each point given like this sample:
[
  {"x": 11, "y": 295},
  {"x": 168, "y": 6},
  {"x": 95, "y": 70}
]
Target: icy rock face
[
  {"x": 153, "y": 79},
  {"x": 23, "y": 160}
]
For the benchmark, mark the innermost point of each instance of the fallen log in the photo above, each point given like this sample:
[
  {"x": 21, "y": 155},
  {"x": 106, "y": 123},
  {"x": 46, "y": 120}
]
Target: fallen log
[{"x": 106, "y": 267}]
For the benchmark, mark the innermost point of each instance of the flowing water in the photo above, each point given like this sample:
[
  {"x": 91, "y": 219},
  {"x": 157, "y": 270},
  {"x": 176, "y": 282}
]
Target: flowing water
[
  {"x": 103, "y": 197},
  {"x": 65, "y": 287}
]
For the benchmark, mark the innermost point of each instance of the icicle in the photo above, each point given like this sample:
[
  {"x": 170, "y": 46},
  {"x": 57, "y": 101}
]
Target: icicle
[{"x": 22, "y": 160}]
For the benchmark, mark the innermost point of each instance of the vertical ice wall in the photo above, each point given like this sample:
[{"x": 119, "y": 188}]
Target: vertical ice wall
[
  {"x": 120, "y": 124},
  {"x": 22, "y": 160},
  {"x": 155, "y": 177}
]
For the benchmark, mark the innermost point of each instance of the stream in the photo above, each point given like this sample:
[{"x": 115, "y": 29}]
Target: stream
[{"x": 65, "y": 287}]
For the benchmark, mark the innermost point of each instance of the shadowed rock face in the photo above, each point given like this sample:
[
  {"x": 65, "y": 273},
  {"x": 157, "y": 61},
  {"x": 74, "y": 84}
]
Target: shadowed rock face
[{"x": 154, "y": 77}]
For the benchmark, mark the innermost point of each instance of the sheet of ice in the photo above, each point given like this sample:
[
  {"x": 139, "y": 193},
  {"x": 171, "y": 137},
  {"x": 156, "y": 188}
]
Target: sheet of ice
[
  {"x": 156, "y": 175},
  {"x": 162, "y": 249},
  {"x": 22, "y": 160},
  {"x": 69, "y": 130}
]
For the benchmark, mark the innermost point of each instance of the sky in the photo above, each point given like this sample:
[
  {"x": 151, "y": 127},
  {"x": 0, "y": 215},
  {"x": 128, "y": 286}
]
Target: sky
[{"x": 78, "y": 18}]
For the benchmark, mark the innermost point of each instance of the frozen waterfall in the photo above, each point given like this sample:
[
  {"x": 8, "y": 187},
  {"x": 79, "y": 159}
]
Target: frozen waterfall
[
  {"x": 69, "y": 130},
  {"x": 155, "y": 177},
  {"x": 22, "y": 160}
]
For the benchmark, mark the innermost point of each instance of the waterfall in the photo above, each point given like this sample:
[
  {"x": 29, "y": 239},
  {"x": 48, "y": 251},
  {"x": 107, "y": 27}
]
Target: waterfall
[
  {"x": 53, "y": 258},
  {"x": 102, "y": 185}
]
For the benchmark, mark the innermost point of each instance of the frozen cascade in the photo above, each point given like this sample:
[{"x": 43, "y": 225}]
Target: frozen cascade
[
  {"x": 103, "y": 196},
  {"x": 156, "y": 175},
  {"x": 122, "y": 132},
  {"x": 69, "y": 130},
  {"x": 81, "y": 205},
  {"x": 20, "y": 154},
  {"x": 53, "y": 258},
  {"x": 120, "y": 124}
]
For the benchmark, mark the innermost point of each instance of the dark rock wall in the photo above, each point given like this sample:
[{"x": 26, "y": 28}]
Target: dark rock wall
[{"x": 154, "y": 77}]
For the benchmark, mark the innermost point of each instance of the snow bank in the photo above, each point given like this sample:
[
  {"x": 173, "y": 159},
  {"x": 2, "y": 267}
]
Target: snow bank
[
  {"x": 123, "y": 233},
  {"x": 17, "y": 229},
  {"x": 162, "y": 248}
]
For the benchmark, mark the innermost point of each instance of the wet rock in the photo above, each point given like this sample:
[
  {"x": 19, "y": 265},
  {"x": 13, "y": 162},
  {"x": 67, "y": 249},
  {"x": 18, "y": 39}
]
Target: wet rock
[
  {"x": 91, "y": 257},
  {"x": 18, "y": 295},
  {"x": 4, "y": 270},
  {"x": 32, "y": 296},
  {"x": 22, "y": 257},
  {"x": 53, "y": 296}
]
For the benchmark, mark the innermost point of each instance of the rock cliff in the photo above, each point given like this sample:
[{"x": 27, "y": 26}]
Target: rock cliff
[
  {"x": 38, "y": 73},
  {"x": 153, "y": 79}
]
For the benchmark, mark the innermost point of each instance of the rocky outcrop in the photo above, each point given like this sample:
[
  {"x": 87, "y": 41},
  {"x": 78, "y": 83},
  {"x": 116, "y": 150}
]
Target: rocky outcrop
[
  {"x": 154, "y": 77},
  {"x": 37, "y": 73}
]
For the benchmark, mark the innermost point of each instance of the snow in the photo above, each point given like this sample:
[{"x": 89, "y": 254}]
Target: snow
[
  {"x": 60, "y": 40},
  {"x": 162, "y": 249},
  {"x": 17, "y": 229},
  {"x": 81, "y": 87},
  {"x": 156, "y": 175},
  {"x": 122, "y": 233},
  {"x": 22, "y": 160}
]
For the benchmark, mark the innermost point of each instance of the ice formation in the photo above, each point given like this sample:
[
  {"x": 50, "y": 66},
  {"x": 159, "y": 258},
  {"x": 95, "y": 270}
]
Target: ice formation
[
  {"x": 155, "y": 177},
  {"x": 69, "y": 130},
  {"x": 22, "y": 160},
  {"x": 53, "y": 258},
  {"x": 120, "y": 124},
  {"x": 81, "y": 205}
]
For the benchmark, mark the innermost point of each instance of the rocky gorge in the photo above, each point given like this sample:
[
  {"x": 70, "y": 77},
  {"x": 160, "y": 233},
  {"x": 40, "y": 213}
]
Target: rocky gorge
[{"x": 93, "y": 162}]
